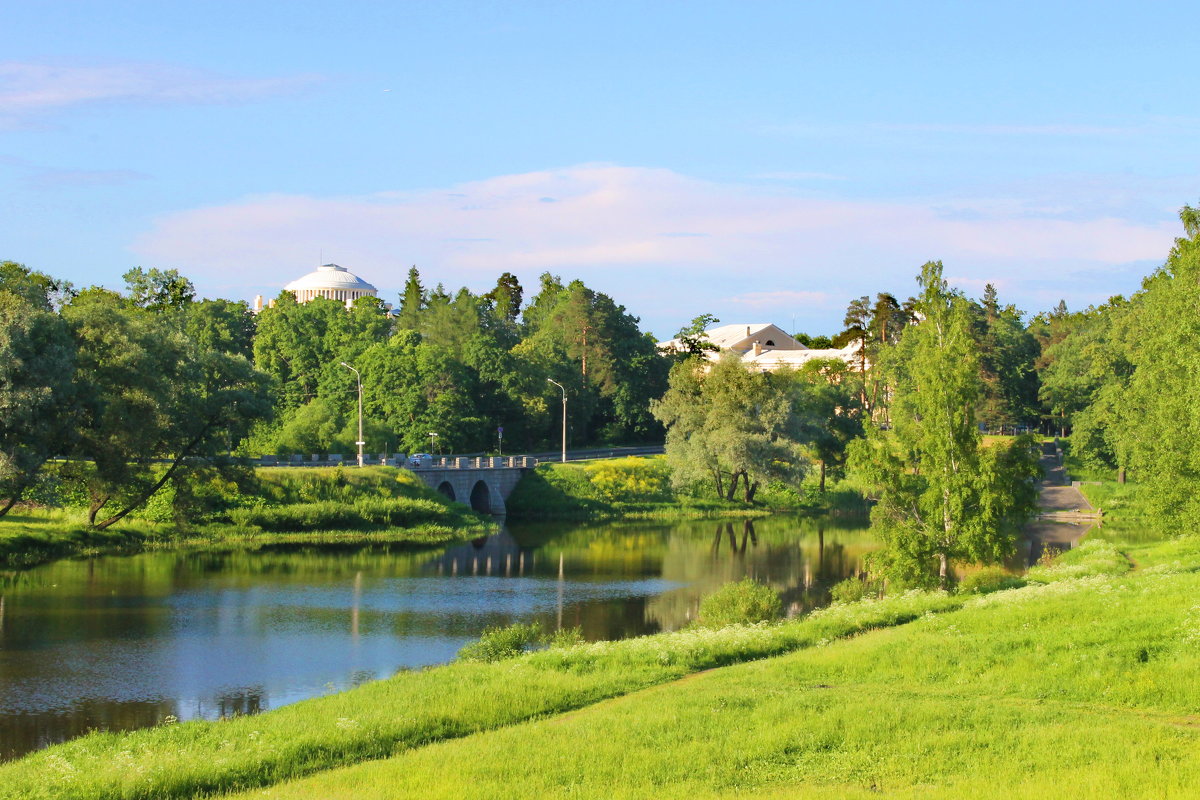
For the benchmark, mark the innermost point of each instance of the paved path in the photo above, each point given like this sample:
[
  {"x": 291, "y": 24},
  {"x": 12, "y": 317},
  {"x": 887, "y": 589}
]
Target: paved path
[{"x": 1064, "y": 514}]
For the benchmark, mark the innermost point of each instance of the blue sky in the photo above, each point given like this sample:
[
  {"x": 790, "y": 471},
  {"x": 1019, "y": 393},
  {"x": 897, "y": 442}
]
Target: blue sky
[{"x": 759, "y": 161}]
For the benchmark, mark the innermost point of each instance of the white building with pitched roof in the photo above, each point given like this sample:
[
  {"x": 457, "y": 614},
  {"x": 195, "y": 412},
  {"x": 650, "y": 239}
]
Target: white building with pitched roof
[{"x": 765, "y": 346}]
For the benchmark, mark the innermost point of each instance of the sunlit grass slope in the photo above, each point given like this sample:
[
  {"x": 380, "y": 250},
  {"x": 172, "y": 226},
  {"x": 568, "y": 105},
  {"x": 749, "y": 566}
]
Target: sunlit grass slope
[
  {"x": 413, "y": 709},
  {"x": 1082, "y": 687}
]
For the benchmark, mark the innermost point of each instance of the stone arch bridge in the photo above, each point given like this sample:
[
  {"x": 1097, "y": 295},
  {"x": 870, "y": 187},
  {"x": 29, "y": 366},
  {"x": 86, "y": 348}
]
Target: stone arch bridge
[{"x": 482, "y": 483}]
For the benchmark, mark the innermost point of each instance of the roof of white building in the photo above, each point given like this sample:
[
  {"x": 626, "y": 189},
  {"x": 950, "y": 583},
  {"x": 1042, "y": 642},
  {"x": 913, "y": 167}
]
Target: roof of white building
[
  {"x": 330, "y": 276},
  {"x": 728, "y": 337}
]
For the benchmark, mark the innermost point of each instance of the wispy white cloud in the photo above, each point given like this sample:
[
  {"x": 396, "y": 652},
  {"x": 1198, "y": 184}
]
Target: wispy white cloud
[
  {"x": 757, "y": 247},
  {"x": 28, "y": 88}
]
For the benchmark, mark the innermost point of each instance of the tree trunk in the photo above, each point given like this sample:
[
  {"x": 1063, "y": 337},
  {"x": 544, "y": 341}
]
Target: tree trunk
[
  {"x": 184, "y": 453},
  {"x": 1120, "y": 479},
  {"x": 720, "y": 481},
  {"x": 733, "y": 483},
  {"x": 943, "y": 569},
  {"x": 138, "y": 501},
  {"x": 751, "y": 489},
  {"x": 12, "y": 501},
  {"x": 822, "y": 476},
  {"x": 94, "y": 508}
]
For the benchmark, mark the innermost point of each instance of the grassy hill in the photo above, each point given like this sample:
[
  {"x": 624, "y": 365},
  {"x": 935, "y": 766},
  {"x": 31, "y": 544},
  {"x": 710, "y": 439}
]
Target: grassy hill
[{"x": 1079, "y": 684}]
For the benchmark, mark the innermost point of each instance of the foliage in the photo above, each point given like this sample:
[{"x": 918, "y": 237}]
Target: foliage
[
  {"x": 499, "y": 644},
  {"x": 364, "y": 513},
  {"x": 851, "y": 590},
  {"x": 147, "y": 391},
  {"x": 37, "y": 362},
  {"x": 631, "y": 479},
  {"x": 743, "y": 602},
  {"x": 1007, "y": 356},
  {"x": 726, "y": 424},
  {"x": 693, "y": 338},
  {"x": 1123, "y": 376},
  {"x": 940, "y": 495},
  {"x": 634, "y": 486},
  {"x": 989, "y": 579}
]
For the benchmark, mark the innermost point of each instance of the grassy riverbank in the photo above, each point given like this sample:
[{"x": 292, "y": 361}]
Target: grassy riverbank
[
  {"x": 640, "y": 487},
  {"x": 1081, "y": 679},
  {"x": 343, "y": 506}
]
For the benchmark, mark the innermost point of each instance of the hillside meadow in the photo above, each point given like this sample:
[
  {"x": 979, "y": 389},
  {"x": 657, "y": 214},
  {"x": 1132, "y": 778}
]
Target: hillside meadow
[{"x": 1069, "y": 685}]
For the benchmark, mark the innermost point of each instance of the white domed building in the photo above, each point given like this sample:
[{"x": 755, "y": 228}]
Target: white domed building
[{"x": 329, "y": 281}]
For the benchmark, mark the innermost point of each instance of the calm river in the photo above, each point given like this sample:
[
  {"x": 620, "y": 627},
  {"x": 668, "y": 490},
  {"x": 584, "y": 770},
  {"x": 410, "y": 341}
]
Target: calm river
[{"x": 122, "y": 642}]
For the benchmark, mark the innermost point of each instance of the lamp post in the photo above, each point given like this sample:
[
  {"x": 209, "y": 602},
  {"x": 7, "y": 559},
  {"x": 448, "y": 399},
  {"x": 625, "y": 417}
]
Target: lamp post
[
  {"x": 564, "y": 421},
  {"x": 432, "y": 442},
  {"x": 360, "y": 441}
]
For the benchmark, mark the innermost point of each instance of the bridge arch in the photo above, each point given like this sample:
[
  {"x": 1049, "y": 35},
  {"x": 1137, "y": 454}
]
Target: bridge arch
[
  {"x": 481, "y": 497},
  {"x": 447, "y": 489}
]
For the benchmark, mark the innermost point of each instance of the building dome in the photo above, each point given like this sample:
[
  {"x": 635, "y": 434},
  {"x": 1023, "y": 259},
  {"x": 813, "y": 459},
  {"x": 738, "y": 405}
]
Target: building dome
[{"x": 333, "y": 282}]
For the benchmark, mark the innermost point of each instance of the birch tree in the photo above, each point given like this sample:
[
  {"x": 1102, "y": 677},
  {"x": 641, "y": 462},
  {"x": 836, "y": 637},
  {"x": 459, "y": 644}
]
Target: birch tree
[{"x": 941, "y": 496}]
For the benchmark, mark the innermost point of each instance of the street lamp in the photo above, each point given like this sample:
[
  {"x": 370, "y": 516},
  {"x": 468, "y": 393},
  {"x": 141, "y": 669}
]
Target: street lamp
[
  {"x": 564, "y": 422},
  {"x": 360, "y": 441},
  {"x": 432, "y": 441}
]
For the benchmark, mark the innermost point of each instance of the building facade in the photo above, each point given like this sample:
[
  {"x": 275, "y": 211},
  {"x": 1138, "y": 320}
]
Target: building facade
[{"x": 329, "y": 281}]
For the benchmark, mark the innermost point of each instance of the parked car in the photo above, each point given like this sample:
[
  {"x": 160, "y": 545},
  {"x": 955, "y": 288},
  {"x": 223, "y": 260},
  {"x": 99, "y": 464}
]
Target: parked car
[{"x": 420, "y": 460}]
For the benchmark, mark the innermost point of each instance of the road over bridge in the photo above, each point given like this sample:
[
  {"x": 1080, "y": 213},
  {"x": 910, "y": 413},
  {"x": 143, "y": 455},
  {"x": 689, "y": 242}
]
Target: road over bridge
[{"x": 482, "y": 483}]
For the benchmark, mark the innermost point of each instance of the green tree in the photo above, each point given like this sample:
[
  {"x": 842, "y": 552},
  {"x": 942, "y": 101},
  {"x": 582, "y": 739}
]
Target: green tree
[
  {"x": 159, "y": 290},
  {"x": 148, "y": 393},
  {"x": 37, "y": 360},
  {"x": 730, "y": 426},
  {"x": 506, "y": 297},
  {"x": 1156, "y": 420},
  {"x": 831, "y": 416},
  {"x": 940, "y": 496},
  {"x": 693, "y": 337},
  {"x": 412, "y": 301},
  {"x": 36, "y": 288}
]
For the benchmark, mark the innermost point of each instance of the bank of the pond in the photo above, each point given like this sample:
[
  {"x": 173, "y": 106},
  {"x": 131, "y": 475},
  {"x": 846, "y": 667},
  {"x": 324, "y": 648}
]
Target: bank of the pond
[
  {"x": 639, "y": 487},
  {"x": 1109, "y": 648},
  {"x": 335, "y": 506}
]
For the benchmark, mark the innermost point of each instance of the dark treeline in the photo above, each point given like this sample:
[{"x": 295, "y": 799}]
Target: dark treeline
[{"x": 141, "y": 388}]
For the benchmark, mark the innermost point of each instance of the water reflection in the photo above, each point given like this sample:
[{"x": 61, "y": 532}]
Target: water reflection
[{"x": 121, "y": 643}]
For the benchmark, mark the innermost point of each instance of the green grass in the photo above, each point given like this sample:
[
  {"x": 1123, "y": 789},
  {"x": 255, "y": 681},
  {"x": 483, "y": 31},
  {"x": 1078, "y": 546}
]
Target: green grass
[
  {"x": 1081, "y": 687},
  {"x": 342, "y": 506},
  {"x": 413, "y": 709}
]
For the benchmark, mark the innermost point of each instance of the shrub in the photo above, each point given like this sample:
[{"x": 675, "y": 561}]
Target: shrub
[
  {"x": 744, "y": 602},
  {"x": 631, "y": 479},
  {"x": 498, "y": 644},
  {"x": 848, "y": 591},
  {"x": 989, "y": 579},
  {"x": 565, "y": 637},
  {"x": 366, "y": 512}
]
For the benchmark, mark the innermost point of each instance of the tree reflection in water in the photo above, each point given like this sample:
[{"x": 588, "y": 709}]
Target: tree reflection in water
[{"x": 121, "y": 643}]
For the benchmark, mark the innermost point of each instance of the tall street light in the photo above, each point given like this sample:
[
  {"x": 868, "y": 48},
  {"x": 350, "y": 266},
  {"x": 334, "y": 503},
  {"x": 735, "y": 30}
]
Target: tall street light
[
  {"x": 360, "y": 441},
  {"x": 433, "y": 442},
  {"x": 564, "y": 422}
]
